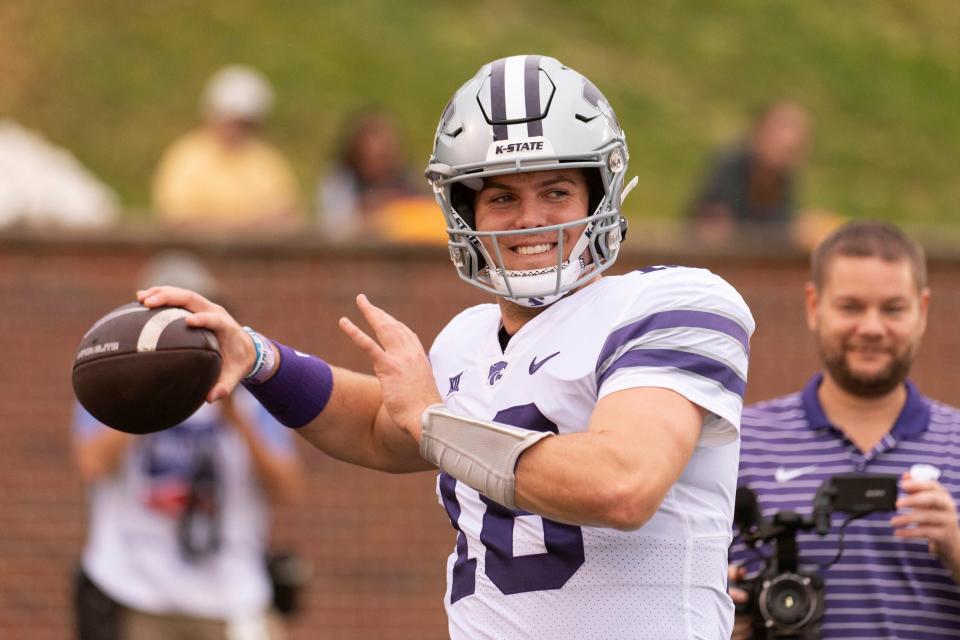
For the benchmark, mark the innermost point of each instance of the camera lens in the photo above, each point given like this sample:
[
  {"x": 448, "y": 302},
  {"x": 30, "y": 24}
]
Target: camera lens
[
  {"x": 788, "y": 603},
  {"x": 788, "y": 600}
]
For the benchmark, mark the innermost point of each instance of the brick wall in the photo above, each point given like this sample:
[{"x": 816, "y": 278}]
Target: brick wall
[{"x": 378, "y": 542}]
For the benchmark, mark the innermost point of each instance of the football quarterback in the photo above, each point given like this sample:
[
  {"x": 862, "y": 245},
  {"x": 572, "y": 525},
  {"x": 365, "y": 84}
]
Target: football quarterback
[{"x": 585, "y": 426}]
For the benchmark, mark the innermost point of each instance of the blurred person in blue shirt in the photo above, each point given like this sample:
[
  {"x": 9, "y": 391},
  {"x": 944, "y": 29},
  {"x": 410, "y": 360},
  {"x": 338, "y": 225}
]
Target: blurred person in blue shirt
[{"x": 179, "y": 519}]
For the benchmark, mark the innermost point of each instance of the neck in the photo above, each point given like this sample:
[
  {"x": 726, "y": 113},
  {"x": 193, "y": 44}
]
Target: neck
[
  {"x": 864, "y": 420},
  {"x": 514, "y": 316}
]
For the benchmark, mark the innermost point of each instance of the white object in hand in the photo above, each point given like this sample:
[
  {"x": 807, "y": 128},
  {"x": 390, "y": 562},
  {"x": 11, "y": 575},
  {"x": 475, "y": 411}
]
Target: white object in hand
[{"x": 924, "y": 472}]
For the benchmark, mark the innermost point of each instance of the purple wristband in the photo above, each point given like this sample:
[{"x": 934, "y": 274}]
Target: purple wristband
[{"x": 298, "y": 391}]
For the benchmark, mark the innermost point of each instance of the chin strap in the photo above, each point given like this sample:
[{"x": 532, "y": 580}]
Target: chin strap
[{"x": 528, "y": 287}]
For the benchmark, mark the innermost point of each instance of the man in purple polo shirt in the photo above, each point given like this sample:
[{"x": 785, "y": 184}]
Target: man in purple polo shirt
[{"x": 898, "y": 574}]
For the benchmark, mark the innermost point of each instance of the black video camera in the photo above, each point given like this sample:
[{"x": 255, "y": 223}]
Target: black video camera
[{"x": 785, "y": 602}]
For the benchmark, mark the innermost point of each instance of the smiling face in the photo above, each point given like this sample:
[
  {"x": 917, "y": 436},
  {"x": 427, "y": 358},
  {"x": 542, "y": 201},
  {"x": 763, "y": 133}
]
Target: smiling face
[
  {"x": 519, "y": 201},
  {"x": 868, "y": 317}
]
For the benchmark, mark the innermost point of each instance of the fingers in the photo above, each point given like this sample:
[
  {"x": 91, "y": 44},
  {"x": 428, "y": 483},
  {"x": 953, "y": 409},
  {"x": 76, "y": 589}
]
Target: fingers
[
  {"x": 395, "y": 349},
  {"x": 929, "y": 505},
  {"x": 735, "y": 572},
  {"x": 174, "y": 297},
  {"x": 921, "y": 518},
  {"x": 739, "y": 596},
  {"x": 230, "y": 377},
  {"x": 742, "y": 628},
  {"x": 208, "y": 320},
  {"x": 389, "y": 331},
  {"x": 932, "y": 515},
  {"x": 926, "y": 533},
  {"x": 908, "y": 485},
  {"x": 218, "y": 392},
  {"x": 364, "y": 342},
  {"x": 937, "y": 500},
  {"x": 234, "y": 347},
  {"x": 374, "y": 315}
]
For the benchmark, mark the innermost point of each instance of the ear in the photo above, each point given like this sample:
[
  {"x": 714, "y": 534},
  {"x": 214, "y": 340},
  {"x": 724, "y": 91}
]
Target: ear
[
  {"x": 924, "y": 307},
  {"x": 811, "y": 300}
]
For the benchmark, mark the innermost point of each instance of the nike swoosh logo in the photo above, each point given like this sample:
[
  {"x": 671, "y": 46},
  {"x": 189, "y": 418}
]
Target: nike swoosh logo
[
  {"x": 786, "y": 475},
  {"x": 535, "y": 366}
]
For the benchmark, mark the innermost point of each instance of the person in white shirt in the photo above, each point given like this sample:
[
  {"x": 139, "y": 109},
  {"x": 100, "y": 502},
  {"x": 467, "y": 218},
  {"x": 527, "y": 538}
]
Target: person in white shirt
[
  {"x": 179, "y": 519},
  {"x": 586, "y": 428}
]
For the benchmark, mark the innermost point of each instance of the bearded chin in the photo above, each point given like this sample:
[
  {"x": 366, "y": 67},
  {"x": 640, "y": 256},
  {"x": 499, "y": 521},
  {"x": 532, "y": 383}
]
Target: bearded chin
[{"x": 867, "y": 386}]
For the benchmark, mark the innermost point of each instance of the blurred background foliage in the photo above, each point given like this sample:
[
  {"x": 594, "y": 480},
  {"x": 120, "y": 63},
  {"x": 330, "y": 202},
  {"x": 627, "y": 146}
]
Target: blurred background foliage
[{"x": 116, "y": 81}]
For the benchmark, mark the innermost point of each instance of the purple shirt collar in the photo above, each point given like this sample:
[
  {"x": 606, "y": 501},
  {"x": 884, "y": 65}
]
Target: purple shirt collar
[{"x": 912, "y": 421}]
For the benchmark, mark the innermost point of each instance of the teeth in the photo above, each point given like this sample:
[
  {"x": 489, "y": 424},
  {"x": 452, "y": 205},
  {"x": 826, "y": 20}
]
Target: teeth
[{"x": 533, "y": 249}]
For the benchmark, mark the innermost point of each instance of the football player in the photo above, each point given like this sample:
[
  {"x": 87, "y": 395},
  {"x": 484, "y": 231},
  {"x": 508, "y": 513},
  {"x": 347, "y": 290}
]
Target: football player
[{"x": 586, "y": 428}]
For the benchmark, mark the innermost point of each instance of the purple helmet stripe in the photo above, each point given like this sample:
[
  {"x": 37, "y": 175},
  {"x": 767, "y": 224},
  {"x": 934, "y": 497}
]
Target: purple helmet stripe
[
  {"x": 498, "y": 98},
  {"x": 531, "y": 92},
  {"x": 692, "y": 362}
]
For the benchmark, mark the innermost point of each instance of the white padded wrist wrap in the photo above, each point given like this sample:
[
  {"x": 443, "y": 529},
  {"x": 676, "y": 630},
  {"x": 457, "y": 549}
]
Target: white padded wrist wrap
[{"x": 480, "y": 454}]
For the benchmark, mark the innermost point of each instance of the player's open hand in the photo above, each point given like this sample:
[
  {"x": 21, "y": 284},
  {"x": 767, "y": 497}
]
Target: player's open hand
[
  {"x": 236, "y": 348},
  {"x": 400, "y": 363},
  {"x": 931, "y": 514}
]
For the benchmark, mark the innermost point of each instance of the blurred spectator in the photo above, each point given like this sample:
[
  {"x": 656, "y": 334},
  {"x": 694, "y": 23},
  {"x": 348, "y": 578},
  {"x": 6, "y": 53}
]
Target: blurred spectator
[
  {"x": 224, "y": 176},
  {"x": 178, "y": 519},
  {"x": 370, "y": 191},
  {"x": 751, "y": 187},
  {"x": 44, "y": 185}
]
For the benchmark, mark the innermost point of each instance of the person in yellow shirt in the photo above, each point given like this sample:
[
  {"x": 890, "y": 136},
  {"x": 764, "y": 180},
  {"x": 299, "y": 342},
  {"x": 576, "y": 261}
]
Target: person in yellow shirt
[{"x": 224, "y": 176}]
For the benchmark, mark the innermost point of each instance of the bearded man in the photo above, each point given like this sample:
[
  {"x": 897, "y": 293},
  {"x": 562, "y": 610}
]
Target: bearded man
[{"x": 866, "y": 305}]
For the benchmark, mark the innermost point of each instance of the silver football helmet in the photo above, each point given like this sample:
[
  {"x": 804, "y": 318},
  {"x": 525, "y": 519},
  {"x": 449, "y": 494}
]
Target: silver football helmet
[{"x": 529, "y": 113}]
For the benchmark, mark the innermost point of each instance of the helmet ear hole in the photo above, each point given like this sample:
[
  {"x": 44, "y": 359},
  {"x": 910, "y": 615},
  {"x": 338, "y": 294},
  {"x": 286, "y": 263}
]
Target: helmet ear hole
[
  {"x": 462, "y": 198},
  {"x": 461, "y": 201},
  {"x": 594, "y": 189}
]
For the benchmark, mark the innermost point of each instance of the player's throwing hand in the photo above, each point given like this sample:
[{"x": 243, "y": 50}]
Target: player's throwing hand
[{"x": 236, "y": 349}]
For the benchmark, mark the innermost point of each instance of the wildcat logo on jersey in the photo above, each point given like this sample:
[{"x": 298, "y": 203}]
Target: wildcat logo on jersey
[{"x": 496, "y": 372}]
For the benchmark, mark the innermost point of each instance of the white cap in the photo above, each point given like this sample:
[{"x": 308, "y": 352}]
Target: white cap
[
  {"x": 178, "y": 269},
  {"x": 238, "y": 91}
]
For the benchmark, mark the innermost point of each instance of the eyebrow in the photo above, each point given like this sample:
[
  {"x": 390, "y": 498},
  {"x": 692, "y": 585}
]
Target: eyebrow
[
  {"x": 847, "y": 297},
  {"x": 492, "y": 184}
]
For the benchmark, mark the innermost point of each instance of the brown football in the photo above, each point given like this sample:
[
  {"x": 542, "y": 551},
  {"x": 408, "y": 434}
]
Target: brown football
[{"x": 141, "y": 370}]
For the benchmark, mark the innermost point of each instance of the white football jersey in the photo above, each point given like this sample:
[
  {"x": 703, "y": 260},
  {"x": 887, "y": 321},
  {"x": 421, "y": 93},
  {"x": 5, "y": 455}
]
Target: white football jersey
[{"x": 515, "y": 575}]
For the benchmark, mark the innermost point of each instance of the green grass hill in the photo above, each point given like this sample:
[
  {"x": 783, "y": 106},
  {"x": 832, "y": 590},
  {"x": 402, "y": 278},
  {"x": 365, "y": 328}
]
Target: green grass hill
[{"x": 115, "y": 81}]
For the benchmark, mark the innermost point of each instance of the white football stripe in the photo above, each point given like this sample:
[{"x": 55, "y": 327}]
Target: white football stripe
[
  {"x": 517, "y": 131},
  {"x": 516, "y": 101},
  {"x": 150, "y": 334},
  {"x": 114, "y": 314}
]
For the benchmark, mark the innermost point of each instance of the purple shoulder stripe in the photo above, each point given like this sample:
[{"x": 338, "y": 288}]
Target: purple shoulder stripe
[
  {"x": 669, "y": 320},
  {"x": 692, "y": 362}
]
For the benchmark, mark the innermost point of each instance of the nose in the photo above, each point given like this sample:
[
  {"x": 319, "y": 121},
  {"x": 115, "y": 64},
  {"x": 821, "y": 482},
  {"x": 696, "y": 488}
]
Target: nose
[
  {"x": 532, "y": 214},
  {"x": 871, "y": 323}
]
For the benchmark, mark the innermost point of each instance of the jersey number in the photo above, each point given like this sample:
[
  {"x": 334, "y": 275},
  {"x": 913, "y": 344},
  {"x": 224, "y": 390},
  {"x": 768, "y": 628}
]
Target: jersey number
[{"x": 512, "y": 574}]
